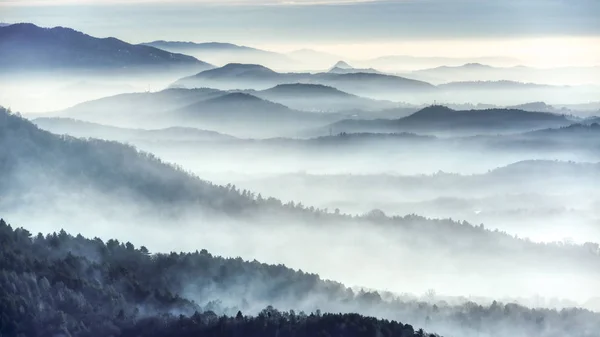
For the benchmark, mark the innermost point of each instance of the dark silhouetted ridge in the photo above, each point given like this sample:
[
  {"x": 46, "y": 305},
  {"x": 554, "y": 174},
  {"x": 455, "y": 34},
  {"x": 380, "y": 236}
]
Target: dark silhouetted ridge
[{"x": 27, "y": 46}]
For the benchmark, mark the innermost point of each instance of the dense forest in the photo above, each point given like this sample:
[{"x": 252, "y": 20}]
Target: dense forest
[
  {"x": 64, "y": 285},
  {"x": 60, "y": 285}
]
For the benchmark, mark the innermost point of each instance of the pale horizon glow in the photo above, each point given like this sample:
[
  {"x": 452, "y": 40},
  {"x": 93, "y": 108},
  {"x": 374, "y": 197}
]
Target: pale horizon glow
[{"x": 545, "y": 52}]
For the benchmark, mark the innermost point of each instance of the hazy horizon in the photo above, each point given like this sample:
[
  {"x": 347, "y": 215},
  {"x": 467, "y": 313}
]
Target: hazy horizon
[{"x": 558, "y": 34}]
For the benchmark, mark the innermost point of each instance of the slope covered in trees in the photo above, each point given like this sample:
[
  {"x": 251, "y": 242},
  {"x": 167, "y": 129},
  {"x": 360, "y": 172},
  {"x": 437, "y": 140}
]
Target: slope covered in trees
[
  {"x": 60, "y": 284},
  {"x": 42, "y": 173}
]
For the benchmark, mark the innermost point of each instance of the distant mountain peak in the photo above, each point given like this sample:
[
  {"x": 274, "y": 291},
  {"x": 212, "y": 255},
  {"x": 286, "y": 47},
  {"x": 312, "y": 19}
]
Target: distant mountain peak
[
  {"x": 342, "y": 65},
  {"x": 433, "y": 111},
  {"x": 244, "y": 66},
  {"x": 476, "y": 65},
  {"x": 235, "y": 97}
]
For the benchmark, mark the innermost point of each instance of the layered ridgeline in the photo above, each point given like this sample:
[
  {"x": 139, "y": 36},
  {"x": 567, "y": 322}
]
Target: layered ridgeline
[
  {"x": 114, "y": 187},
  {"x": 237, "y": 113},
  {"x": 372, "y": 84},
  {"x": 474, "y": 72},
  {"x": 442, "y": 120},
  {"x": 59, "y": 284},
  {"x": 223, "y": 53},
  {"x": 253, "y": 76},
  {"x": 29, "y": 48},
  {"x": 316, "y": 97},
  {"x": 542, "y": 200}
]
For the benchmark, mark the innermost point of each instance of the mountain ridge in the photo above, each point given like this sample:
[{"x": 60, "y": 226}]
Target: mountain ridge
[{"x": 27, "y": 46}]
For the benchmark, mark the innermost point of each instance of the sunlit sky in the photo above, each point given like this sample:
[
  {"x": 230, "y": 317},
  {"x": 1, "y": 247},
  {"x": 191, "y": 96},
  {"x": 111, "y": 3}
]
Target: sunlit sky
[{"x": 539, "y": 32}]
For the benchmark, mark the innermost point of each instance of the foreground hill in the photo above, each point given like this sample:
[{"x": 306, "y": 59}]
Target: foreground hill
[
  {"x": 27, "y": 47},
  {"x": 65, "y": 285},
  {"x": 61, "y": 284},
  {"x": 249, "y": 76},
  {"x": 443, "y": 120}
]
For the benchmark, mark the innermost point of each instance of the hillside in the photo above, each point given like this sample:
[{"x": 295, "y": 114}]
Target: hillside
[
  {"x": 80, "y": 287},
  {"x": 443, "y": 120},
  {"x": 56, "y": 277},
  {"x": 492, "y": 85},
  {"x": 132, "y": 108},
  {"x": 32, "y": 48},
  {"x": 81, "y": 129},
  {"x": 247, "y": 76},
  {"x": 247, "y": 115},
  {"x": 236, "y": 113},
  {"x": 316, "y": 97},
  {"x": 37, "y": 166}
]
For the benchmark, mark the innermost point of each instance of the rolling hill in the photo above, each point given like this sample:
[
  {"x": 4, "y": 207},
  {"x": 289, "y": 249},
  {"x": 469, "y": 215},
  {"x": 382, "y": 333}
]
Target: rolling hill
[
  {"x": 236, "y": 113},
  {"x": 125, "y": 109},
  {"x": 316, "y": 97},
  {"x": 37, "y": 166},
  {"x": 246, "y": 115},
  {"x": 445, "y": 121},
  {"x": 27, "y": 47},
  {"x": 81, "y": 129},
  {"x": 248, "y": 76}
]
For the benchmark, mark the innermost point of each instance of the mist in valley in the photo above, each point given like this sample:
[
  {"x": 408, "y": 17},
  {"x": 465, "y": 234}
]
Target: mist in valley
[{"x": 226, "y": 189}]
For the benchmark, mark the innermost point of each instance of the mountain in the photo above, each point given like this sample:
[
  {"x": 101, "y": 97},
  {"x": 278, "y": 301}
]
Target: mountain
[
  {"x": 238, "y": 76},
  {"x": 32, "y": 48},
  {"x": 443, "y": 120},
  {"x": 342, "y": 65},
  {"x": 236, "y": 113},
  {"x": 510, "y": 93},
  {"x": 492, "y": 85},
  {"x": 77, "y": 128},
  {"x": 406, "y": 62},
  {"x": 480, "y": 72},
  {"x": 134, "y": 108},
  {"x": 247, "y": 76},
  {"x": 224, "y": 53},
  {"x": 248, "y": 116},
  {"x": 344, "y": 68},
  {"x": 316, "y": 97}
]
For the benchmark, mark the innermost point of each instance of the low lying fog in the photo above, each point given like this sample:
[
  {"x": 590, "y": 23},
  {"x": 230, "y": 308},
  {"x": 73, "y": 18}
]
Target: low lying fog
[{"x": 349, "y": 253}]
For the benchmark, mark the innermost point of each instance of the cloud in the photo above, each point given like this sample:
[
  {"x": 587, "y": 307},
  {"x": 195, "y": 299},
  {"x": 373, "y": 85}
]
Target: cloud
[{"x": 199, "y": 2}]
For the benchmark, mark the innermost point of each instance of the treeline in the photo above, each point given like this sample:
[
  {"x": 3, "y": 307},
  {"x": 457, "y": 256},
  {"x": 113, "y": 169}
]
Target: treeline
[{"x": 60, "y": 284}]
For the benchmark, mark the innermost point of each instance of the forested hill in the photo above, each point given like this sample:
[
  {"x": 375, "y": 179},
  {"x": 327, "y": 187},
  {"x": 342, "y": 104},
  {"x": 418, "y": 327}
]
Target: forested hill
[
  {"x": 42, "y": 172},
  {"x": 31, "y": 157},
  {"x": 61, "y": 285}
]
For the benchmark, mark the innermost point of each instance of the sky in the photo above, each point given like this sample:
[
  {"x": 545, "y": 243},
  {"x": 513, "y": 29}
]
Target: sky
[{"x": 552, "y": 32}]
